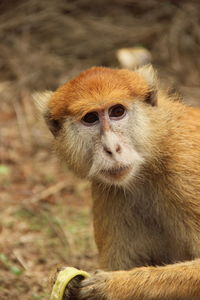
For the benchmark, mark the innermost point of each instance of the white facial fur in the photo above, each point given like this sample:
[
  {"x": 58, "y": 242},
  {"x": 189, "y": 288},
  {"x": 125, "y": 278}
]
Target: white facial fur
[
  {"x": 83, "y": 147},
  {"x": 128, "y": 157}
]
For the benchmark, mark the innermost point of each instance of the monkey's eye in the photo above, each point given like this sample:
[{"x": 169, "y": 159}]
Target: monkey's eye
[
  {"x": 117, "y": 111},
  {"x": 90, "y": 118}
]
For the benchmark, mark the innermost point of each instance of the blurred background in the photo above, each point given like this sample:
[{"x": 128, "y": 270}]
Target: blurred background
[{"x": 45, "y": 217}]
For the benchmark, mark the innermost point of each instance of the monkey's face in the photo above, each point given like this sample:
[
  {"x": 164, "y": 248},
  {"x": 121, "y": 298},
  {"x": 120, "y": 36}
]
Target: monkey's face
[
  {"x": 99, "y": 122},
  {"x": 105, "y": 144},
  {"x": 114, "y": 157}
]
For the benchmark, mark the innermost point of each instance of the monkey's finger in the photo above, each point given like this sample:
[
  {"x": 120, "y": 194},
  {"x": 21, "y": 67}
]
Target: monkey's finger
[
  {"x": 88, "y": 293},
  {"x": 88, "y": 282}
]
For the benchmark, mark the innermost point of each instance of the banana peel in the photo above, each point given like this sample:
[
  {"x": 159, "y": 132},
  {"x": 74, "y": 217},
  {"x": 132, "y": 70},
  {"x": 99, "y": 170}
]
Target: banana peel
[{"x": 63, "y": 278}]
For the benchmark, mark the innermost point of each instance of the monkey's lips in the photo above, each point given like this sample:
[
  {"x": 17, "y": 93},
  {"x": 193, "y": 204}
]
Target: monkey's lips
[{"x": 117, "y": 173}]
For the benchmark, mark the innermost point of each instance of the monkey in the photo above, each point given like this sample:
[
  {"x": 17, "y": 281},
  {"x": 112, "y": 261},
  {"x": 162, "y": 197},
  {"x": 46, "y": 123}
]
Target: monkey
[{"x": 140, "y": 148}]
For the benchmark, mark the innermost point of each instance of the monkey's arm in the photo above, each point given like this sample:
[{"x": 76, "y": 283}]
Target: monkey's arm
[{"x": 179, "y": 281}]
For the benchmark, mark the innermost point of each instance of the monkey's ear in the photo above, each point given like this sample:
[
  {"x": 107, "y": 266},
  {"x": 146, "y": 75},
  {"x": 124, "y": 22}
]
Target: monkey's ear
[
  {"x": 41, "y": 100},
  {"x": 41, "y": 103},
  {"x": 150, "y": 76}
]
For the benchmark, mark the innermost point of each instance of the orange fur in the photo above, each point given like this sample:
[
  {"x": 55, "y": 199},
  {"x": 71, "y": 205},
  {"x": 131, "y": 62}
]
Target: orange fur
[{"x": 96, "y": 88}]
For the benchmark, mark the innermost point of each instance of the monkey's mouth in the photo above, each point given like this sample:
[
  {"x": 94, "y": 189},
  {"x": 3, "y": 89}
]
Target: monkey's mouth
[{"x": 117, "y": 173}]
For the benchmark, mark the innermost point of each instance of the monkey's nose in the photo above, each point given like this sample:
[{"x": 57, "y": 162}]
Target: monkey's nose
[{"x": 113, "y": 151}]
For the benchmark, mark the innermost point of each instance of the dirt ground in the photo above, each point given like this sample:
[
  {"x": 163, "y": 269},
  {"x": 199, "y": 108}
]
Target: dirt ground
[{"x": 45, "y": 211}]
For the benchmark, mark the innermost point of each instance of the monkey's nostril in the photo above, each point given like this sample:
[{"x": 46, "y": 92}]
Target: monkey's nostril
[
  {"x": 107, "y": 151},
  {"x": 110, "y": 152},
  {"x": 118, "y": 148}
]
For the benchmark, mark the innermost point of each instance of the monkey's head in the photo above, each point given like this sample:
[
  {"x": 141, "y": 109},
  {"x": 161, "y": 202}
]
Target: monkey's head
[{"x": 100, "y": 124}]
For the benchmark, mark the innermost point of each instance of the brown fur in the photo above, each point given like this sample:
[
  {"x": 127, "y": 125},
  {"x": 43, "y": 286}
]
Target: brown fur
[{"x": 146, "y": 229}]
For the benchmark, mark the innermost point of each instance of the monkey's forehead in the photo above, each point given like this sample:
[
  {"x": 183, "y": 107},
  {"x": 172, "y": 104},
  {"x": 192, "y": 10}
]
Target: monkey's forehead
[{"x": 97, "y": 88}]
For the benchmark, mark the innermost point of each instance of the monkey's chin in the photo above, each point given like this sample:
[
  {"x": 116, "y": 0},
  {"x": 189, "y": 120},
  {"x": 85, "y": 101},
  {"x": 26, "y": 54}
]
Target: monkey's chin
[{"x": 117, "y": 176}]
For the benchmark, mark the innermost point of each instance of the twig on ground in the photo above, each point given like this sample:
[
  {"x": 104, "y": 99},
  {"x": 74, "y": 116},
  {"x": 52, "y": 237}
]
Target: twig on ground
[
  {"x": 54, "y": 189},
  {"x": 20, "y": 259}
]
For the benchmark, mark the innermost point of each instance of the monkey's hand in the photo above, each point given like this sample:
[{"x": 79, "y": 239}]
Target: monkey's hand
[
  {"x": 178, "y": 281},
  {"x": 96, "y": 287},
  {"x": 117, "y": 285}
]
